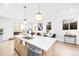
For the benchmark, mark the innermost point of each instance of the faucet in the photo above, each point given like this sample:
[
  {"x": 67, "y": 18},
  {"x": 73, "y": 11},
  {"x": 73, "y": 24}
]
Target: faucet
[{"x": 30, "y": 31}]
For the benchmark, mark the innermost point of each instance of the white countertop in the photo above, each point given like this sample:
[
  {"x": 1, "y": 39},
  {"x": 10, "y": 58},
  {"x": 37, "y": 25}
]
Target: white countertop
[{"x": 41, "y": 42}]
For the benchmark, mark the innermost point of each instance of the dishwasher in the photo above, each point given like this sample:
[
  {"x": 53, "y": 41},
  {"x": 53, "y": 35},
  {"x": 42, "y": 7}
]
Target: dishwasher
[{"x": 34, "y": 51}]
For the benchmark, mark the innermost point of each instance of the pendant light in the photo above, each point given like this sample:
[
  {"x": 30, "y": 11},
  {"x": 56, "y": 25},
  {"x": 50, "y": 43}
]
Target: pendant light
[
  {"x": 25, "y": 20},
  {"x": 38, "y": 15}
]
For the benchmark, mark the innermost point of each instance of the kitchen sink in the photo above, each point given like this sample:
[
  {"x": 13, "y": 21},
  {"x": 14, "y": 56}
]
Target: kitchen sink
[{"x": 28, "y": 38}]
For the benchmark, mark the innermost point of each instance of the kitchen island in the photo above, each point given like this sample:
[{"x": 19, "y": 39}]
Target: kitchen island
[{"x": 43, "y": 43}]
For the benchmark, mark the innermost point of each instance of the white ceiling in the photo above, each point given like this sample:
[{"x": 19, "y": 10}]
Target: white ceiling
[{"x": 49, "y": 10}]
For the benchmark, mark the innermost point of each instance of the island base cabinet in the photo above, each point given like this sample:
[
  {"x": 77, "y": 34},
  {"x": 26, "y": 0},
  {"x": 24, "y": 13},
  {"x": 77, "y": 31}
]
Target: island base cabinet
[
  {"x": 20, "y": 48},
  {"x": 32, "y": 52},
  {"x": 23, "y": 50},
  {"x": 50, "y": 52}
]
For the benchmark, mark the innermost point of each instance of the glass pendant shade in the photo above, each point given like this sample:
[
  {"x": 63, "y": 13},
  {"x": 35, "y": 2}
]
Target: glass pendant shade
[
  {"x": 24, "y": 21},
  {"x": 38, "y": 16}
]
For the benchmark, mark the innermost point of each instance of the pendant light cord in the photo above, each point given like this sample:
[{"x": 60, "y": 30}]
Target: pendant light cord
[
  {"x": 25, "y": 13},
  {"x": 38, "y": 16},
  {"x": 38, "y": 7}
]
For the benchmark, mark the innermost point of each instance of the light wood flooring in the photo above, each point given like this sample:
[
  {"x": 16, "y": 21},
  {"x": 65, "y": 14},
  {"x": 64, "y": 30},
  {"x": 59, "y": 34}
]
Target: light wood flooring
[
  {"x": 65, "y": 49},
  {"x": 7, "y": 48}
]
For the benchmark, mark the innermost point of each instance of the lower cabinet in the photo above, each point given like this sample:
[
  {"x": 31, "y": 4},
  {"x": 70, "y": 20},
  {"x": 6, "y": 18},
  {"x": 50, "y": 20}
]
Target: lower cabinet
[{"x": 20, "y": 48}]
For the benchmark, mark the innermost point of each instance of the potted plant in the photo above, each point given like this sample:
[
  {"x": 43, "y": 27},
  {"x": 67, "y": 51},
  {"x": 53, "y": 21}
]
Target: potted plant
[{"x": 1, "y": 31}]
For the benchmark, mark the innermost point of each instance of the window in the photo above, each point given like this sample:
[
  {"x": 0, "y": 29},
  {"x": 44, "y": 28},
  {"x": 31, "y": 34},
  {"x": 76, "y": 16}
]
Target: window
[{"x": 69, "y": 24}]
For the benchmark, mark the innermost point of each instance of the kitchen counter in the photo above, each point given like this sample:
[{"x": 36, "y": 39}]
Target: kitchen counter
[{"x": 41, "y": 42}]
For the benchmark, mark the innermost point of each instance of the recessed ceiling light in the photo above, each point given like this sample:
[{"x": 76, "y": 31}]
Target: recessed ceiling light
[
  {"x": 70, "y": 10},
  {"x": 6, "y": 4}
]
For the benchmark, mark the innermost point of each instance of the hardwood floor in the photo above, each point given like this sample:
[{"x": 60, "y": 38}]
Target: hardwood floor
[
  {"x": 65, "y": 49},
  {"x": 7, "y": 48}
]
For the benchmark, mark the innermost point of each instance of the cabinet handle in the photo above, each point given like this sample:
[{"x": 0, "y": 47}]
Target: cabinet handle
[{"x": 21, "y": 42}]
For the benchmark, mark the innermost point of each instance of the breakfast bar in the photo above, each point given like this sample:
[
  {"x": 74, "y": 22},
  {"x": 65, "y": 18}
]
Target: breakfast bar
[{"x": 43, "y": 43}]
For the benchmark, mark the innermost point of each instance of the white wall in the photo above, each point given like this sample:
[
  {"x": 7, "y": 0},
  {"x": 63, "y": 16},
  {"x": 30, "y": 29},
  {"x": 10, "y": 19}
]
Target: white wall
[
  {"x": 12, "y": 11},
  {"x": 7, "y": 25},
  {"x": 54, "y": 12}
]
